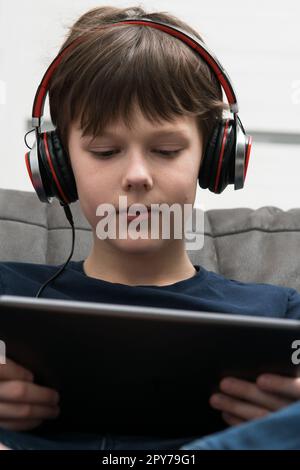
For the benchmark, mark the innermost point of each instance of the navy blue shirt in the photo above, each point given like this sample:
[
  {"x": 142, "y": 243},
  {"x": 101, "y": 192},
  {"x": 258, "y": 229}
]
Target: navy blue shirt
[{"x": 205, "y": 291}]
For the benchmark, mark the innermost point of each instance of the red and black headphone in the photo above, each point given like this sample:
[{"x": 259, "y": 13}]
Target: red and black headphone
[{"x": 225, "y": 159}]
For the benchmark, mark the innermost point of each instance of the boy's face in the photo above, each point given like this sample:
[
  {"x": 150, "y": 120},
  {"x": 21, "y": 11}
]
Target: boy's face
[{"x": 136, "y": 169}]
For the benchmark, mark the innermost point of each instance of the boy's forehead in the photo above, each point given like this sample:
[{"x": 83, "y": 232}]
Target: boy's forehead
[{"x": 178, "y": 126}]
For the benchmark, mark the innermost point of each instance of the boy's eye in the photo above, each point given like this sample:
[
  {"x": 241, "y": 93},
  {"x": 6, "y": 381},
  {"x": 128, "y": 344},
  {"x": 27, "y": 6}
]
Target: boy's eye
[
  {"x": 167, "y": 152},
  {"x": 109, "y": 153}
]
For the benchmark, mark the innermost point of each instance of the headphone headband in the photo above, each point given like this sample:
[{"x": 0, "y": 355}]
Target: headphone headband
[{"x": 190, "y": 39}]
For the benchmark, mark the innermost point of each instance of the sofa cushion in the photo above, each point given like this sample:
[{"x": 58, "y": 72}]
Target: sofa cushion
[{"x": 248, "y": 245}]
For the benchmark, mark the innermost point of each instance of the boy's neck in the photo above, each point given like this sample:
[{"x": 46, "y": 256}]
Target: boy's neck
[{"x": 160, "y": 268}]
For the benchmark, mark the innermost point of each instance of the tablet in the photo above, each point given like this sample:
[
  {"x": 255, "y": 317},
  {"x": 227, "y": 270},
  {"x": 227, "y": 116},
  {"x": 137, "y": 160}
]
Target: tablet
[{"x": 139, "y": 370}]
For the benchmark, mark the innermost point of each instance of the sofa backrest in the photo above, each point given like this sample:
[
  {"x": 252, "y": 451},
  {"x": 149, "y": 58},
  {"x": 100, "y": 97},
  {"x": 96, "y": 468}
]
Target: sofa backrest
[{"x": 248, "y": 245}]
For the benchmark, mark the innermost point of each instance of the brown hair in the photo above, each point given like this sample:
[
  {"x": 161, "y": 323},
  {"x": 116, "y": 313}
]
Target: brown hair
[{"x": 100, "y": 78}]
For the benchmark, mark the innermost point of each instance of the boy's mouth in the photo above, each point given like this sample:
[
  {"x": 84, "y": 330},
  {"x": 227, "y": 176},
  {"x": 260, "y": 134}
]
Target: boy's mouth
[{"x": 141, "y": 216}]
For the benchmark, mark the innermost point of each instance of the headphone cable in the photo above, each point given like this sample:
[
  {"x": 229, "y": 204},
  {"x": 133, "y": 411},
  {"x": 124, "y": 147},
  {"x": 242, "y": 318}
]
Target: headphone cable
[
  {"x": 25, "y": 138},
  {"x": 69, "y": 216}
]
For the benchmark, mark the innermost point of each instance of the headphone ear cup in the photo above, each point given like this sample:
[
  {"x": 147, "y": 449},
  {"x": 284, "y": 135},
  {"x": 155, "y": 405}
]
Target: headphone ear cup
[
  {"x": 45, "y": 172},
  {"x": 63, "y": 168},
  {"x": 226, "y": 173},
  {"x": 217, "y": 170},
  {"x": 204, "y": 176},
  {"x": 60, "y": 176}
]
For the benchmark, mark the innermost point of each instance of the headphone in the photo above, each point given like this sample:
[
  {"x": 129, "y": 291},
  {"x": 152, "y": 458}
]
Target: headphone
[{"x": 225, "y": 158}]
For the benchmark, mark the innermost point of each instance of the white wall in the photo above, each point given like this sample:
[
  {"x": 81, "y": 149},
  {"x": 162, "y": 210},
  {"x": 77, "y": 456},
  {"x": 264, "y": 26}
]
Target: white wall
[{"x": 258, "y": 43}]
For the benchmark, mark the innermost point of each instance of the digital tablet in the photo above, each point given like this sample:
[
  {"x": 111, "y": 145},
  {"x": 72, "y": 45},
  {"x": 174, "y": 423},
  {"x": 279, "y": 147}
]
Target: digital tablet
[{"x": 140, "y": 370}]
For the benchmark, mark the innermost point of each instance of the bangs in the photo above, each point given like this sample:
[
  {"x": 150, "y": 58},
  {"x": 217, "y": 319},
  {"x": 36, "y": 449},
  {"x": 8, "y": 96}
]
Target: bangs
[{"x": 133, "y": 65}]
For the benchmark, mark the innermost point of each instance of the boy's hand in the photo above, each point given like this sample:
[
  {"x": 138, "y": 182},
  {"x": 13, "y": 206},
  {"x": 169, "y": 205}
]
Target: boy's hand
[
  {"x": 241, "y": 401},
  {"x": 3, "y": 447},
  {"x": 23, "y": 404}
]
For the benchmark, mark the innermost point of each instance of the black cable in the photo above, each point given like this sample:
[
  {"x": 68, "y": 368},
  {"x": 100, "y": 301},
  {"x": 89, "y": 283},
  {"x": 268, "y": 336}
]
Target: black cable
[
  {"x": 26, "y": 136},
  {"x": 70, "y": 219},
  {"x": 241, "y": 124}
]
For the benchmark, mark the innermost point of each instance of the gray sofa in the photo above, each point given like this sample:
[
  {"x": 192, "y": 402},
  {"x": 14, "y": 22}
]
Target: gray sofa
[{"x": 247, "y": 245}]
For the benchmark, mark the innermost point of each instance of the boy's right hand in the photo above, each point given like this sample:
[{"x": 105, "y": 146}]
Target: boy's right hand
[{"x": 23, "y": 404}]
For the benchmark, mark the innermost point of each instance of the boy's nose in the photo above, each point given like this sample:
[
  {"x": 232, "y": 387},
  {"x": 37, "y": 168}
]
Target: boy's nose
[
  {"x": 137, "y": 181},
  {"x": 137, "y": 174}
]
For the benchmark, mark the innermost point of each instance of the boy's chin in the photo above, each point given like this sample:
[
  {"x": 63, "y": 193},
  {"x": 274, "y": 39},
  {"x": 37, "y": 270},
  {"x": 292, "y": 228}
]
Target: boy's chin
[{"x": 139, "y": 246}]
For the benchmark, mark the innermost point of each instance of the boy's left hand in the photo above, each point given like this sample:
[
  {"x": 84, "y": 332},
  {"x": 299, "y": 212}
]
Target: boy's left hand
[{"x": 241, "y": 401}]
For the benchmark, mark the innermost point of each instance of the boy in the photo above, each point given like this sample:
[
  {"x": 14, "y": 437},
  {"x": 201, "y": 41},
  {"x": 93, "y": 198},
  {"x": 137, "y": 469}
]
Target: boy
[{"x": 126, "y": 137}]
